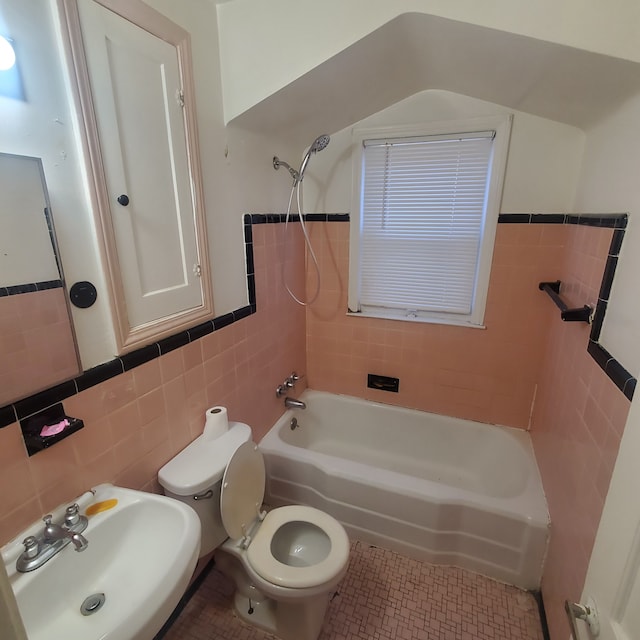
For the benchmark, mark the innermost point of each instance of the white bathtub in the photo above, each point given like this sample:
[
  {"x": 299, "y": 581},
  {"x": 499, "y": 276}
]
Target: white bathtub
[{"x": 439, "y": 489}]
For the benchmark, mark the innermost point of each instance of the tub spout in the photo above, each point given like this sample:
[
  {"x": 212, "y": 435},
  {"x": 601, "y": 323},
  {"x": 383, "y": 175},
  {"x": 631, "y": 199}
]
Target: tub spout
[{"x": 292, "y": 403}]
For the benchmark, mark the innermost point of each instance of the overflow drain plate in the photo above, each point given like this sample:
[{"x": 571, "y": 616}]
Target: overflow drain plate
[{"x": 92, "y": 604}]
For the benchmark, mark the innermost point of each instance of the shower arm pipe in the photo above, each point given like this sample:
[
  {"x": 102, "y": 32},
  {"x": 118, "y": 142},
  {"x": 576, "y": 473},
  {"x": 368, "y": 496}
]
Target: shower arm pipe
[
  {"x": 317, "y": 145},
  {"x": 277, "y": 163},
  {"x": 579, "y": 314}
]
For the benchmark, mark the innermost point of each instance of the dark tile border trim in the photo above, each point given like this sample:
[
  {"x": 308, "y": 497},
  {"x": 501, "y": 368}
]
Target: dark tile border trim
[
  {"x": 607, "y": 220},
  {"x": 30, "y": 287},
  {"x": 32, "y": 404},
  {"x": 44, "y": 399},
  {"x": 616, "y": 372},
  {"x": 101, "y": 373},
  {"x": 618, "y": 222},
  {"x": 8, "y": 415},
  {"x": 542, "y": 614}
]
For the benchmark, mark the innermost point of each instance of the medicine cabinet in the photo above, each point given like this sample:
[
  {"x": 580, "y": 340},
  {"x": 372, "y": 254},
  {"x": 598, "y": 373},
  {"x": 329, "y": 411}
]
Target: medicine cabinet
[{"x": 135, "y": 95}]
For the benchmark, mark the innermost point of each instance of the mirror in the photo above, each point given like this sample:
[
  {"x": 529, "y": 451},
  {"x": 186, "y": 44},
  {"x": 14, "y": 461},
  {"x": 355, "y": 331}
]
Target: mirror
[{"x": 37, "y": 343}]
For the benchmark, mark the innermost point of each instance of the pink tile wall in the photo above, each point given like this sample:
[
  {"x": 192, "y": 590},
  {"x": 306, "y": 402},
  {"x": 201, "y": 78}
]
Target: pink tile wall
[
  {"x": 577, "y": 425},
  {"x": 488, "y": 374},
  {"x": 137, "y": 421},
  {"x": 492, "y": 375},
  {"x": 36, "y": 343}
]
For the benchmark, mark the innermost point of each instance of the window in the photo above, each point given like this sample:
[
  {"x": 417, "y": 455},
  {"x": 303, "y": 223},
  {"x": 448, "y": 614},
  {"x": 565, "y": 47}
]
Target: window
[{"x": 425, "y": 211}]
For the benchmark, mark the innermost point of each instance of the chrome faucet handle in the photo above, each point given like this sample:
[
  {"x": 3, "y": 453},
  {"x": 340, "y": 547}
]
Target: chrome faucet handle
[
  {"x": 290, "y": 382},
  {"x": 50, "y": 528},
  {"x": 31, "y": 547},
  {"x": 72, "y": 515}
]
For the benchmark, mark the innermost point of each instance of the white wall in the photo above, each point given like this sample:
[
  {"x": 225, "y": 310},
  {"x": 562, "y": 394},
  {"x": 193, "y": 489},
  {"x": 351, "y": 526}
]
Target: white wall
[
  {"x": 609, "y": 183},
  {"x": 270, "y": 44},
  {"x": 542, "y": 168}
]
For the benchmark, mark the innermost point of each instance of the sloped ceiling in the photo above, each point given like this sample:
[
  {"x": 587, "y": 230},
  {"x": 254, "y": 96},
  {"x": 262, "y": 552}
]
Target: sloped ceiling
[{"x": 416, "y": 52}]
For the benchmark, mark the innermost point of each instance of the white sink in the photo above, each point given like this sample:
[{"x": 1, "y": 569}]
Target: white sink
[{"x": 141, "y": 555}]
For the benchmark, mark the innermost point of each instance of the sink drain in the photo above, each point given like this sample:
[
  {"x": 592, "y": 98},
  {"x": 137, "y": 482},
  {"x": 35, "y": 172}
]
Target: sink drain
[{"x": 92, "y": 604}]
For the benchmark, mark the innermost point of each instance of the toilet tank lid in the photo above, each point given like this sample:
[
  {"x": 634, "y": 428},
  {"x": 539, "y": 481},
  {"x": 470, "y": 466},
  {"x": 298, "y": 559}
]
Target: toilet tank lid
[{"x": 202, "y": 463}]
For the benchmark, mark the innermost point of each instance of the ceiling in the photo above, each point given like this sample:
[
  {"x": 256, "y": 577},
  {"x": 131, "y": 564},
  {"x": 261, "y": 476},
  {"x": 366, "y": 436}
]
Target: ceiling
[{"x": 416, "y": 52}]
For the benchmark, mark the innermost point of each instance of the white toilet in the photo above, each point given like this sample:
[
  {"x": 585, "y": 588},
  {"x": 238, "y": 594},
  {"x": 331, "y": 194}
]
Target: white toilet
[{"x": 285, "y": 563}]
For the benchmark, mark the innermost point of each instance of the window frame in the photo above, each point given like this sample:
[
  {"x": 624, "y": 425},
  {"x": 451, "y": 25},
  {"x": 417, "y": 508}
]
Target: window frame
[{"x": 497, "y": 169}]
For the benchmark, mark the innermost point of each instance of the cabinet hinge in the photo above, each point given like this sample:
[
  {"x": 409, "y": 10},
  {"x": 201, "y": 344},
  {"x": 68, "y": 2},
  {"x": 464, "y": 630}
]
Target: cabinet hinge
[
  {"x": 197, "y": 270},
  {"x": 180, "y": 97}
]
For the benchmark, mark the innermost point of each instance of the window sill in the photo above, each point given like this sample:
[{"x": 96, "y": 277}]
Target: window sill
[{"x": 389, "y": 315}]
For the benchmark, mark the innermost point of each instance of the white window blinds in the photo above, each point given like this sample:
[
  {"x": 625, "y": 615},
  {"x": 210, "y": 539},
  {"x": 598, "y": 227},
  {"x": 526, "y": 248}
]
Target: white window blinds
[{"x": 423, "y": 206}]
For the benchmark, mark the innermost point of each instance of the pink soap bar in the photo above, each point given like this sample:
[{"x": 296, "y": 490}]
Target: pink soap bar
[{"x": 53, "y": 429}]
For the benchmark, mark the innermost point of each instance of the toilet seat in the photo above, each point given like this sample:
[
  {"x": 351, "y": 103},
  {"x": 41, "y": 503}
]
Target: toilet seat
[
  {"x": 241, "y": 498},
  {"x": 261, "y": 559}
]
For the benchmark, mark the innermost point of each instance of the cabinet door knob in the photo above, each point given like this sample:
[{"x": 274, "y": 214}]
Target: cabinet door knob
[{"x": 123, "y": 200}]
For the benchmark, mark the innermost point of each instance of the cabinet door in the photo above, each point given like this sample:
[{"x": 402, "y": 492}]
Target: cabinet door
[{"x": 154, "y": 245}]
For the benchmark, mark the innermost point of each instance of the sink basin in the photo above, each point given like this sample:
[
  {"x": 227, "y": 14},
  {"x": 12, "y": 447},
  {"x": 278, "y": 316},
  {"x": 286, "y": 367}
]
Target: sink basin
[{"x": 142, "y": 551}]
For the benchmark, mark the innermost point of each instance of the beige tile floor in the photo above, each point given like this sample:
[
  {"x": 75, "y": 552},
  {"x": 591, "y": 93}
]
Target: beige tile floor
[{"x": 384, "y": 596}]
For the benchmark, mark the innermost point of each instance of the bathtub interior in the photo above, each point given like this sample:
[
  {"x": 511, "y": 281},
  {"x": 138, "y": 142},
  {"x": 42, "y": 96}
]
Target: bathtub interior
[
  {"x": 497, "y": 526},
  {"x": 455, "y": 453}
]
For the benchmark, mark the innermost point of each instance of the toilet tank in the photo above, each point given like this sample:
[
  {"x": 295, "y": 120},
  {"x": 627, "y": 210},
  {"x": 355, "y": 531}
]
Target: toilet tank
[
  {"x": 213, "y": 533},
  {"x": 194, "y": 477}
]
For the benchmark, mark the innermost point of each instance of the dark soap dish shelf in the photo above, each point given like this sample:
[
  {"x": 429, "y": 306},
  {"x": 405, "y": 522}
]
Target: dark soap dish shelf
[{"x": 48, "y": 419}]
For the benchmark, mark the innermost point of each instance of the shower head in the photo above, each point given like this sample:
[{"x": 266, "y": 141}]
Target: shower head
[{"x": 317, "y": 145}]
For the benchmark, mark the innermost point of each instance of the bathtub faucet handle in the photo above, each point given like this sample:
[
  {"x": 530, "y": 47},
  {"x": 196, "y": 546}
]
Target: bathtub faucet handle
[
  {"x": 289, "y": 383},
  {"x": 292, "y": 379}
]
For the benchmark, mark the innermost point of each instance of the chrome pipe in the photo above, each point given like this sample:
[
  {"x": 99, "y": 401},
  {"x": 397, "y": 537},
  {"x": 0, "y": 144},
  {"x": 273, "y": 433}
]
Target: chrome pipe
[{"x": 277, "y": 163}]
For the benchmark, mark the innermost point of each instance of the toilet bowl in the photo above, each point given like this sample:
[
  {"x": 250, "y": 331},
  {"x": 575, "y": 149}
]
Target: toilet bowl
[{"x": 285, "y": 563}]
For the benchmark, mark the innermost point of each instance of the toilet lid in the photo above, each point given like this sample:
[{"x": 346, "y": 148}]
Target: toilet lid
[{"x": 242, "y": 490}]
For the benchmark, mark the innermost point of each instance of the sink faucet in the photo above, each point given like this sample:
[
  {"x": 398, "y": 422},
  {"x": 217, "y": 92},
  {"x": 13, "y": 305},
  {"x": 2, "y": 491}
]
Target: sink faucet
[
  {"x": 292, "y": 403},
  {"x": 54, "y": 537},
  {"x": 54, "y": 532}
]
